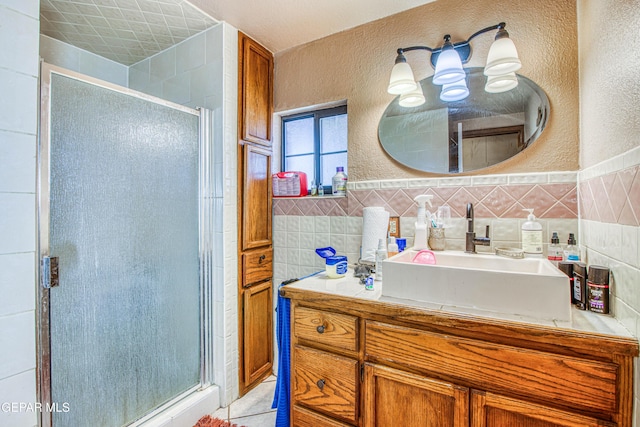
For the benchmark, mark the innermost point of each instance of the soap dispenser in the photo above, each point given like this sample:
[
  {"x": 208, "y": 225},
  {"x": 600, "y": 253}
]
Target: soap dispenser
[
  {"x": 532, "y": 236},
  {"x": 420, "y": 240}
]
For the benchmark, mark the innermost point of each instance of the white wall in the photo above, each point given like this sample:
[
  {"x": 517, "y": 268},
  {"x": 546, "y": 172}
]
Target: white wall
[{"x": 18, "y": 125}]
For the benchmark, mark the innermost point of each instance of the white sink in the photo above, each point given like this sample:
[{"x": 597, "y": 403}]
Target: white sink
[{"x": 529, "y": 287}]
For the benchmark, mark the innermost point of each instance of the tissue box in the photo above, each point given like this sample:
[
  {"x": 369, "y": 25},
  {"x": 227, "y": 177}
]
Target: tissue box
[{"x": 289, "y": 184}]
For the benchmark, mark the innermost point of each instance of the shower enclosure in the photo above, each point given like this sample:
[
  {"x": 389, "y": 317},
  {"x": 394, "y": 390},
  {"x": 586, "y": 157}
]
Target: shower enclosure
[{"x": 125, "y": 277}]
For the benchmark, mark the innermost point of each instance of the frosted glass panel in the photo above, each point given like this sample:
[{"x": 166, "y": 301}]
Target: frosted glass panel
[{"x": 125, "y": 321}]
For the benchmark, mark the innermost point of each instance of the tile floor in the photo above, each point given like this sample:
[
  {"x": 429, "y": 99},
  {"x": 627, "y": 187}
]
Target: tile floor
[{"x": 254, "y": 408}]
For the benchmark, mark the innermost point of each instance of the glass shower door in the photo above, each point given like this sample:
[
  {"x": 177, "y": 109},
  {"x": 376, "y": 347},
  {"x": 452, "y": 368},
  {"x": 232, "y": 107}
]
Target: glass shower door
[{"x": 123, "y": 223}]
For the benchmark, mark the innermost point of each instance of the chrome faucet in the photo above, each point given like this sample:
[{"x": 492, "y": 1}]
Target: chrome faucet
[{"x": 472, "y": 240}]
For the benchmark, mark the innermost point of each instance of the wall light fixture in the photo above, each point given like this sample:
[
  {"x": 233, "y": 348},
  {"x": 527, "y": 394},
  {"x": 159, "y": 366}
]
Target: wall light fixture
[{"x": 502, "y": 63}]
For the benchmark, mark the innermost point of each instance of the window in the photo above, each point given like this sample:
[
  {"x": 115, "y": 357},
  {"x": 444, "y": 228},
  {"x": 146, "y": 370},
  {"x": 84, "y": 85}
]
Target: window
[{"x": 316, "y": 143}]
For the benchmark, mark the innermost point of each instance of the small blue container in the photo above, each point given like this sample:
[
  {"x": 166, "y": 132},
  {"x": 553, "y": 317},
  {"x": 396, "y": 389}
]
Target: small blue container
[
  {"x": 402, "y": 244},
  {"x": 335, "y": 265}
]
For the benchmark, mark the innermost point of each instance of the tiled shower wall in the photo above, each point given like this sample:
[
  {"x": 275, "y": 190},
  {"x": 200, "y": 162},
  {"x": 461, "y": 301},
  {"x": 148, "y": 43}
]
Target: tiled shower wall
[
  {"x": 301, "y": 225},
  {"x": 18, "y": 141}
]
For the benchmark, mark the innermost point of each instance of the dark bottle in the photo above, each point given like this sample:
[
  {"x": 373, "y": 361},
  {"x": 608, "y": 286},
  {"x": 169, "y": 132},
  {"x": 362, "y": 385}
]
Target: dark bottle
[
  {"x": 579, "y": 295},
  {"x": 598, "y": 289}
]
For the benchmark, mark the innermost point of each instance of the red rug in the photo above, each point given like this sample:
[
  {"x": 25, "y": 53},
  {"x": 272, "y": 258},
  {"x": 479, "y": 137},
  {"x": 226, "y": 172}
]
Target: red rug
[{"x": 208, "y": 421}]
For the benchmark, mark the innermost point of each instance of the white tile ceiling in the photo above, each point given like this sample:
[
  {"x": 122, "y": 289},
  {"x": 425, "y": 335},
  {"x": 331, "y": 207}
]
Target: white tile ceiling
[{"x": 126, "y": 31}]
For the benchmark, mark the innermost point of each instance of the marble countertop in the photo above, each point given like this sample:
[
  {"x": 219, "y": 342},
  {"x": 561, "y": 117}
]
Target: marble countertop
[{"x": 349, "y": 286}]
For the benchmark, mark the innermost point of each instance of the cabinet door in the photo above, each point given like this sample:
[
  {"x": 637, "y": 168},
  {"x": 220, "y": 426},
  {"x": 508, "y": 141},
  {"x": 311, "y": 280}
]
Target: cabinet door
[
  {"x": 396, "y": 398},
  {"x": 257, "y": 327},
  {"x": 256, "y": 91},
  {"x": 256, "y": 198},
  {"x": 492, "y": 410},
  {"x": 326, "y": 382}
]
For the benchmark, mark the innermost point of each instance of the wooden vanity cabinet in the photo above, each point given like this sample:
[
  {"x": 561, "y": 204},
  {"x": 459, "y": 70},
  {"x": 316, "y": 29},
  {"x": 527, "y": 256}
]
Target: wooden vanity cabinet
[{"x": 415, "y": 367}]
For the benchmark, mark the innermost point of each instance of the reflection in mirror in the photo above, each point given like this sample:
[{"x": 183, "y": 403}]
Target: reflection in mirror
[{"x": 452, "y": 137}]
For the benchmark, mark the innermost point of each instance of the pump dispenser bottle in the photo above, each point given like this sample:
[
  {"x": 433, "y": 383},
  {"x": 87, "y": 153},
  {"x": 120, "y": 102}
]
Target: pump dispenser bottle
[
  {"x": 532, "y": 236},
  {"x": 420, "y": 240}
]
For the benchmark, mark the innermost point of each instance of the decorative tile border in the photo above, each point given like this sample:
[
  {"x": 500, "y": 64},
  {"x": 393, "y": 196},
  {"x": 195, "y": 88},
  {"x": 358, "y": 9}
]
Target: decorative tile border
[
  {"x": 610, "y": 191},
  {"x": 551, "y": 195},
  {"x": 612, "y": 198}
]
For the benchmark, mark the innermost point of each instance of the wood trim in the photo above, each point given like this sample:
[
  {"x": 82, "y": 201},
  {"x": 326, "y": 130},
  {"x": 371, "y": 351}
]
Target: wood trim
[
  {"x": 568, "y": 382},
  {"x": 544, "y": 338},
  {"x": 624, "y": 416}
]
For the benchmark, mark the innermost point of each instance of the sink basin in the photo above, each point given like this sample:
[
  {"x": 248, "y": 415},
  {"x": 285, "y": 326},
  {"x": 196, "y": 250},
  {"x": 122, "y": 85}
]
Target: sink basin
[{"x": 529, "y": 287}]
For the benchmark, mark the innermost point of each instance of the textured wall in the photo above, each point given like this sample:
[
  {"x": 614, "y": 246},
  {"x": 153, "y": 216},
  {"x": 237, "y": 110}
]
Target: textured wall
[
  {"x": 609, "y": 91},
  {"x": 355, "y": 65}
]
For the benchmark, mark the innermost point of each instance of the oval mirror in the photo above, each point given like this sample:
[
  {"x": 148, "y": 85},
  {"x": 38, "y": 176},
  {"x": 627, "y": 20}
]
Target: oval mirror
[{"x": 452, "y": 137}]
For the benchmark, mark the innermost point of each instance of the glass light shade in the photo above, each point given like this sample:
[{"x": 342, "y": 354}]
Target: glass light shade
[
  {"x": 455, "y": 91},
  {"x": 402, "y": 80},
  {"x": 448, "y": 68},
  {"x": 497, "y": 84},
  {"x": 413, "y": 98},
  {"x": 502, "y": 58}
]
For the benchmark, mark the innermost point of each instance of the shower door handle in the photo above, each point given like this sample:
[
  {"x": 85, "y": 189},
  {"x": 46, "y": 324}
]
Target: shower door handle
[{"x": 49, "y": 272}]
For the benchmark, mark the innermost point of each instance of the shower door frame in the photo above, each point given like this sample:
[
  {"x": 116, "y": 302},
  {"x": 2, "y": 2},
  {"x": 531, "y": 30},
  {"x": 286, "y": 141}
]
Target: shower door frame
[{"x": 205, "y": 233}]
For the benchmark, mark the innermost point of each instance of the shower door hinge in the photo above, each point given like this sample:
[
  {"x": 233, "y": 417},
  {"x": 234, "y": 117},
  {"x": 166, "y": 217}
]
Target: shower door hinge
[{"x": 49, "y": 272}]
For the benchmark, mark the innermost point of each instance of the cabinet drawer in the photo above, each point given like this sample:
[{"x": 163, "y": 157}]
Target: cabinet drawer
[
  {"x": 257, "y": 266},
  {"x": 333, "y": 329},
  {"x": 578, "y": 384},
  {"x": 305, "y": 418},
  {"x": 326, "y": 383}
]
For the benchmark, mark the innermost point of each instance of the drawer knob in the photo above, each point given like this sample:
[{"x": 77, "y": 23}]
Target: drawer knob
[
  {"x": 262, "y": 258},
  {"x": 320, "y": 329},
  {"x": 320, "y": 384}
]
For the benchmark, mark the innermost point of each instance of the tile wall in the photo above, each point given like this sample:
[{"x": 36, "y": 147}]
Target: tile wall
[
  {"x": 609, "y": 199},
  {"x": 19, "y": 66},
  {"x": 81, "y": 61},
  {"x": 301, "y": 225},
  {"x": 609, "y": 195},
  {"x": 184, "y": 73}
]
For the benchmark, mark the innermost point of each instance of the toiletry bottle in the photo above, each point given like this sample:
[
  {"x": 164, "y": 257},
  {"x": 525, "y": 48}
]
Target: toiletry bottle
[
  {"x": 320, "y": 189},
  {"x": 571, "y": 252},
  {"x": 392, "y": 248},
  {"x": 339, "y": 182},
  {"x": 420, "y": 240},
  {"x": 579, "y": 296},
  {"x": 314, "y": 189},
  {"x": 381, "y": 255},
  {"x": 532, "y": 236},
  {"x": 554, "y": 252}
]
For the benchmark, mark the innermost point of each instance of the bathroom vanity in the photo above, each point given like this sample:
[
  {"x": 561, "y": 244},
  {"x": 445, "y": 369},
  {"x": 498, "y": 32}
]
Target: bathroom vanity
[{"x": 363, "y": 359}]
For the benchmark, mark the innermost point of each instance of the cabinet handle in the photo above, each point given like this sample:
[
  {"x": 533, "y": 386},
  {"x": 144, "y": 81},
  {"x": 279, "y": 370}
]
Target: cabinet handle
[
  {"x": 262, "y": 258},
  {"x": 320, "y": 329},
  {"x": 320, "y": 384}
]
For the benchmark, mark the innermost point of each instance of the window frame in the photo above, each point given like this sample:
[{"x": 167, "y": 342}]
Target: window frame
[{"x": 317, "y": 115}]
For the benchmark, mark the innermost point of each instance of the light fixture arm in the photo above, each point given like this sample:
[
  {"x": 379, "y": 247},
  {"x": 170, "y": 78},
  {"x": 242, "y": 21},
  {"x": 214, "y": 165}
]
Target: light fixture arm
[{"x": 463, "y": 48}]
